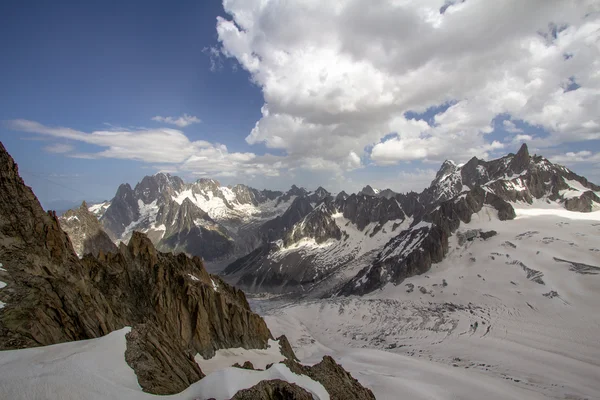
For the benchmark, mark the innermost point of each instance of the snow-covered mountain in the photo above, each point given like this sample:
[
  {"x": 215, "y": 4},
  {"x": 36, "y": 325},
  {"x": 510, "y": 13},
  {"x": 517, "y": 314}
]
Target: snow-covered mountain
[
  {"x": 509, "y": 313},
  {"x": 201, "y": 218},
  {"x": 359, "y": 243}
]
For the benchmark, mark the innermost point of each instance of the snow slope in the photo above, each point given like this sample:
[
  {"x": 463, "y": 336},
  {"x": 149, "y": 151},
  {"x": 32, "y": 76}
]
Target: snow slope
[
  {"x": 96, "y": 369},
  {"x": 477, "y": 325}
]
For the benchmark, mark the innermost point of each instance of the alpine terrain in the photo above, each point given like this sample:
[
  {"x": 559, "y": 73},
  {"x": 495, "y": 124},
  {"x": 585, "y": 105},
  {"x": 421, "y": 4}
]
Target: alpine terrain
[
  {"x": 454, "y": 282},
  {"x": 130, "y": 322}
]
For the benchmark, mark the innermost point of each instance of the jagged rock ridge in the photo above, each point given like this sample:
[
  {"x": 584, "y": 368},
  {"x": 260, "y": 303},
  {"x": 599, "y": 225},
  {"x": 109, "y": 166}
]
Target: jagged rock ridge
[{"x": 314, "y": 245}]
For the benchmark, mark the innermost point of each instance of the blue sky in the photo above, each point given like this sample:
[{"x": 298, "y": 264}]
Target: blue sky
[
  {"x": 286, "y": 93},
  {"x": 83, "y": 64}
]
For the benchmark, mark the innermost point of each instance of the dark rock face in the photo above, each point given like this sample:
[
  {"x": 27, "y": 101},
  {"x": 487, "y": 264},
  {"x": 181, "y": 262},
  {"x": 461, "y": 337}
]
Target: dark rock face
[
  {"x": 410, "y": 253},
  {"x": 174, "y": 306},
  {"x": 339, "y": 384},
  {"x": 85, "y": 232},
  {"x": 123, "y": 210},
  {"x": 414, "y": 250},
  {"x": 368, "y": 191},
  {"x": 191, "y": 230},
  {"x": 363, "y": 210},
  {"x": 157, "y": 373},
  {"x": 286, "y": 348},
  {"x": 318, "y": 195},
  {"x": 318, "y": 224},
  {"x": 294, "y": 191},
  {"x": 277, "y": 227},
  {"x": 275, "y": 389},
  {"x": 341, "y": 196},
  {"x": 583, "y": 203}
]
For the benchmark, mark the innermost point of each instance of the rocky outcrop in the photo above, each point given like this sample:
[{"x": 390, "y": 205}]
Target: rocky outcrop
[
  {"x": 583, "y": 203},
  {"x": 174, "y": 306},
  {"x": 85, "y": 232},
  {"x": 339, "y": 384},
  {"x": 162, "y": 366},
  {"x": 275, "y": 389},
  {"x": 286, "y": 348}
]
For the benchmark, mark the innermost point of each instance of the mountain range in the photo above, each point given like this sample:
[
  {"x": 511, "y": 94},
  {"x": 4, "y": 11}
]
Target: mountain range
[
  {"x": 300, "y": 241},
  {"x": 159, "y": 316}
]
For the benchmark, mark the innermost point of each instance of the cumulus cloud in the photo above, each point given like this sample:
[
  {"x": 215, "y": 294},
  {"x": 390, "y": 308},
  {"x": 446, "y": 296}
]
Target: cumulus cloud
[
  {"x": 338, "y": 77},
  {"x": 169, "y": 147},
  {"x": 182, "y": 122}
]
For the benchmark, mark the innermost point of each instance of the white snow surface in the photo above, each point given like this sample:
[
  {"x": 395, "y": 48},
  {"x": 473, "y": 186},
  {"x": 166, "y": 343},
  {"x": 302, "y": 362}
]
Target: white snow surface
[
  {"x": 96, "y": 370},
  {"x": 482, "y": 329},
  {"x": 576, "y": 189},
  {"x": 225, "y": 358},
  {"x": 218, "y": 210},
  {"x": 99, "y": 209}
]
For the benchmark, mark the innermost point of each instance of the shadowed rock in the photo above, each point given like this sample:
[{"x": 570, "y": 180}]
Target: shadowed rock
[{"x": 275, "y": 389}]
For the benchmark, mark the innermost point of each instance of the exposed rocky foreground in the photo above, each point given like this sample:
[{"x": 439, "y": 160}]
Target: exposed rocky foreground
[{"x": 175, "y": 308}]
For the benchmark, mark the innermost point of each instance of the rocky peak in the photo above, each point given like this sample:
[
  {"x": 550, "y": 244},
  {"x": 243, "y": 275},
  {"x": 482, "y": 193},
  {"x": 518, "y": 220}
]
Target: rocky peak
[
  {"x": 270, "y": 194},
  {"x": 521, "y": 160},
  {"x": 124, "y": 192},
  {"x": 85, "y": 232},
  {"x": 207, "y": 184},
  {"x": 247, "y": 195},
  {"x": 387, "y": 193},
  {"x": 341, "y": 196},
  {"x": 140, "y": 245},
  {"x": 277, "y": 227},
  {"x": 318, "y": 195},
  {"x": 369, "y": 191},
  {"x": 318, "y": 225},
  {"x": 296, "y": 191},
  {"x": 447, "y": 167},
  {"x": 123, "y": 210},
  {"x": 474, "y": 172},
  {"x": 24, "y": 226},
  {"x": 157, "y": 186}
]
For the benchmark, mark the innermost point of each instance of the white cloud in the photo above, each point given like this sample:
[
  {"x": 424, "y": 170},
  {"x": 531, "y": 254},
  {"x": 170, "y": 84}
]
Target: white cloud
[
  {"x": 182, "y": 122},
  {"x": 337, "y": 77},
  {"x": 169, "y": 147},
  {"x": 59, "y": 148},
  {"x": 570, "y": 157}
]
